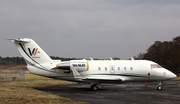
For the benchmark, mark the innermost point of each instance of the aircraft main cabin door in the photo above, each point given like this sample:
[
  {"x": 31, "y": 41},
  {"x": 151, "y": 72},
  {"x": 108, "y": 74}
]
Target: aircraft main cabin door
[{"x": 112, "y": 69}]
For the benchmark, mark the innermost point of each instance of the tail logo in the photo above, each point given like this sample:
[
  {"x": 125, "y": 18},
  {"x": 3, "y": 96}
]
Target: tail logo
[{"x": 33, "y": 52}]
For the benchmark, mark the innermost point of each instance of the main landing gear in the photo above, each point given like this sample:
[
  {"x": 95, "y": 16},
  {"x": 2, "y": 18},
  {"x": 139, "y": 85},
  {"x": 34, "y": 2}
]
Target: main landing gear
[
  {"x": 95, "y": 87},
  {"x": 159, "y": 87}
]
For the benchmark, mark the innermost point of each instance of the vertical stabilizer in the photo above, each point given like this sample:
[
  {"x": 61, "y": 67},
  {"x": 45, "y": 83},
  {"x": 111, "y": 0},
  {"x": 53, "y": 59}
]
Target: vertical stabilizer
[{"x": 31, "y": 52}]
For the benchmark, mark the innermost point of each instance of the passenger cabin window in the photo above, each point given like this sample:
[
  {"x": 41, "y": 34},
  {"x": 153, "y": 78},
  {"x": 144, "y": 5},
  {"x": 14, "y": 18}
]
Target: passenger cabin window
[
  {"x": 105, "y": 68},
  {"x": 118, "y": 68},
  {"x": 99, "y": 68},
  {"x": 124, "y": 68},
  {"x": 131, "y": 68}
]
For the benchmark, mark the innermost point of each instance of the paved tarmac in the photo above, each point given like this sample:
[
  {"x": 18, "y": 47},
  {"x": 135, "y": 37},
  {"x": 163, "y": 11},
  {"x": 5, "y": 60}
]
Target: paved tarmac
[{"x": 124, "y": 93}]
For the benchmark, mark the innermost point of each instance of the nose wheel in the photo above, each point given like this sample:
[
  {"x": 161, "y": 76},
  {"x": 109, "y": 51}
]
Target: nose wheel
[{"x": 159, "y": 87}]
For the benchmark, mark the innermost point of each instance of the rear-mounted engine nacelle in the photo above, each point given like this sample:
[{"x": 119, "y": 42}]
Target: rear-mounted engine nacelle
[{"x": 80, "y": 65}]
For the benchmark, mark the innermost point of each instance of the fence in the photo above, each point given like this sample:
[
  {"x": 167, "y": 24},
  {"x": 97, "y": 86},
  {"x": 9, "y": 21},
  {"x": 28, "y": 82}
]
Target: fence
[{"x": 12, "y": 74}]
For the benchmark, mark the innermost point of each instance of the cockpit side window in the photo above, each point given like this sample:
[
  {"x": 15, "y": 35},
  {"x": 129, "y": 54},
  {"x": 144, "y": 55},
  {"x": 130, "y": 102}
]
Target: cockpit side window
[{"x": 155, "y": 66}]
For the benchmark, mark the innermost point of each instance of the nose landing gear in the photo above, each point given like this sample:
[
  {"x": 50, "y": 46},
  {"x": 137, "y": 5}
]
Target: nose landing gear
[{"x": 159, "y": 87}]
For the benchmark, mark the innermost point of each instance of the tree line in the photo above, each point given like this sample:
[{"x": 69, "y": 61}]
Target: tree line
[
  {"x": 21, "y": 61},
  {"x": 12, "y": 61},
  {"x": 166, "y": 53}
]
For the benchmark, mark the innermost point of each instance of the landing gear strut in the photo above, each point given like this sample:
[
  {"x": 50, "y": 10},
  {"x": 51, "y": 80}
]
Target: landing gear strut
[{"x": 159, "y": 86}]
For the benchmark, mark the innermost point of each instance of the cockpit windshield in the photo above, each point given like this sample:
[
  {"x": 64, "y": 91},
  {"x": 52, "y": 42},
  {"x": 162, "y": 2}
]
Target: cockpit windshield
[{"x": 155, "y": 66}]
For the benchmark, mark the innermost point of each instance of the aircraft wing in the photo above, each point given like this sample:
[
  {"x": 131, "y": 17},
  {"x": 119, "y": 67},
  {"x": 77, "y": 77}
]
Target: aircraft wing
[
  {"x": 103, "y": 80},
  {"x": 76, "y": 74},
  {"x": 79, "y": 77}
]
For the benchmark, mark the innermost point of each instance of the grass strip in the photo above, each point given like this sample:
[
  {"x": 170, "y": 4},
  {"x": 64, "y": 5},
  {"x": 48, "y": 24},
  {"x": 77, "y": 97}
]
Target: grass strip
[{"x": 23, "y": 92}]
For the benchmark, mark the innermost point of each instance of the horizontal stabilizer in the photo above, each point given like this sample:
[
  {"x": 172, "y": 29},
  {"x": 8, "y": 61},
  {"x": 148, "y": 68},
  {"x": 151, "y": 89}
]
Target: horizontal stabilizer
[{"x": 18, "y": 40}]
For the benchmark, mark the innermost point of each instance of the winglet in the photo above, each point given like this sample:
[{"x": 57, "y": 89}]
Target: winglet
[
  {"x": 111, "y": 59},
  {"x": 91, "y": 59},
  {"x": 132, "y": 58},
  {"x": 76, "y": 73}
]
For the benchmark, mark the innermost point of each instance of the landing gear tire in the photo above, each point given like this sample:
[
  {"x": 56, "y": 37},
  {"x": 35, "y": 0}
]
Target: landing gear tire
[
  {"x": 159, "y": 88},
  {"x": 94, "y": 87}
]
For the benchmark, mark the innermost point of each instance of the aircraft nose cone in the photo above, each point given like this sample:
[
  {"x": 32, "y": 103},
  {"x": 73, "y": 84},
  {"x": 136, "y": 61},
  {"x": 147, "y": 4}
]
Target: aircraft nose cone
[{"x": 172, "y": 75}]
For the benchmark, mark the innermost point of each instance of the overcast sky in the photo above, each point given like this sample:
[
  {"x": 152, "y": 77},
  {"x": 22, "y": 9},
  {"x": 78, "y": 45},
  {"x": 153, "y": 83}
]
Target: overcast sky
[{"x": 89, "y": 28}]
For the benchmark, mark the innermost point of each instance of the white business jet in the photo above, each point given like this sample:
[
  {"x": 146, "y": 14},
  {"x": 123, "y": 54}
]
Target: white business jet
[{"x": 91, "y": 71}]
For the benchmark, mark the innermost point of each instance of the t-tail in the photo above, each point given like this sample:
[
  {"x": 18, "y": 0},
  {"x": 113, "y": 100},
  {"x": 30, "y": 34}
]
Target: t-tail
[{"x": 31, "y": 52}]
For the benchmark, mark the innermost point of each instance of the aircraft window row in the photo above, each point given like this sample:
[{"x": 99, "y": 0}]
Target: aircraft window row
[{"x": 118, "y": 68}]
